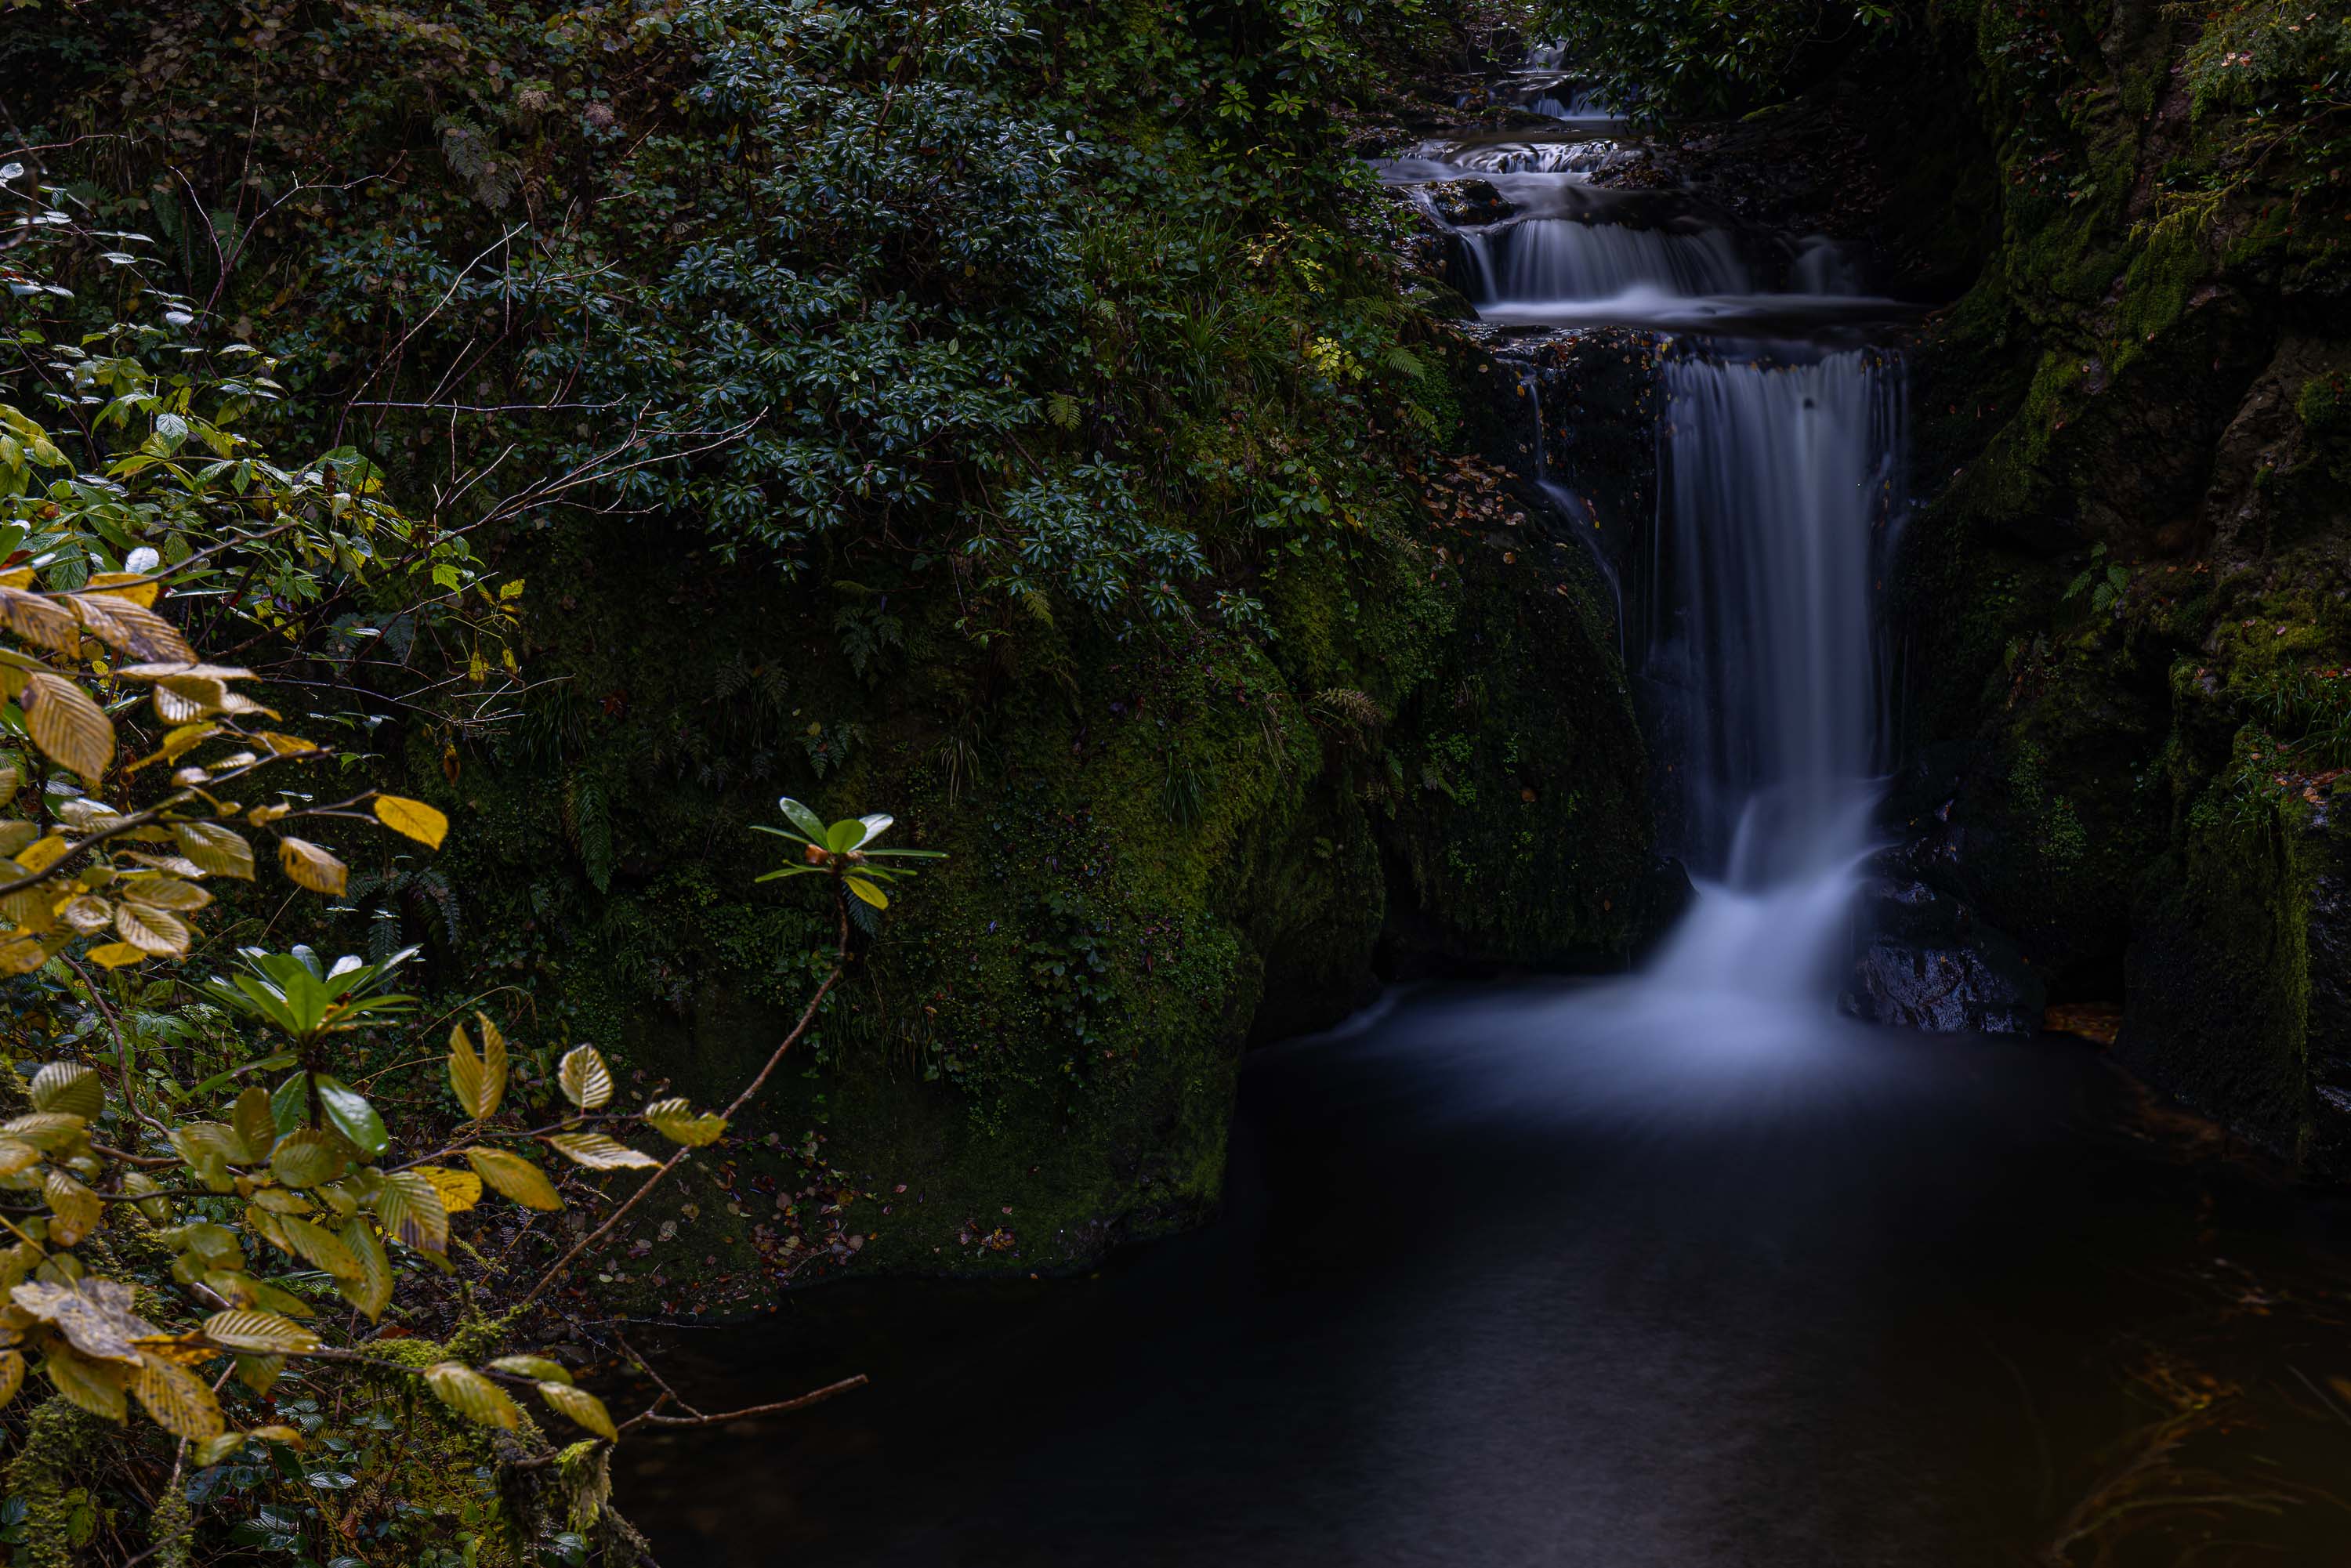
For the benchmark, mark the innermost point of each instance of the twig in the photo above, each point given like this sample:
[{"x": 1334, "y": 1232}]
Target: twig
[
  {"x": 814, "y": 1396},
  {"x": 661, "y": 1383}
]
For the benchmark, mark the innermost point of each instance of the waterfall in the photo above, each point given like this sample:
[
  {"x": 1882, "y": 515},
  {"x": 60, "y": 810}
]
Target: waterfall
[
  {"x": 1822, "y": 268},
  {"x": 1752, "y": 626},
  {"x": 1555, "y": 259},
  {"x": 1775, "y": 480},
  {"x": 1527, "y": 157},
  {"x": 1579, "y": 103}
]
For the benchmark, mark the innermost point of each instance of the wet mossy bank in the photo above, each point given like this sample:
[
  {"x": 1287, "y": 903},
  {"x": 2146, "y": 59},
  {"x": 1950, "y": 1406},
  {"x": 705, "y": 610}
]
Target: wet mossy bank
[
  {"x": 2125, "y": 593},
  {"x": 1163, "y": 846}
]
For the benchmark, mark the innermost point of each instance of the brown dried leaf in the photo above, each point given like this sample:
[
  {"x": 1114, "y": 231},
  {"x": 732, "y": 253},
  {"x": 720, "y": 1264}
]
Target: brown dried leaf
[{"x": 94, "y": 1315}]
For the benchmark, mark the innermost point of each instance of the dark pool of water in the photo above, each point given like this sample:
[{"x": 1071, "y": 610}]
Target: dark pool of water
[{"x": 1536, "y": 1275}]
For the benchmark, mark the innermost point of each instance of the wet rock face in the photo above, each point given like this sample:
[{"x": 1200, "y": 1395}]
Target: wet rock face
[
  {"x": 1468, "y": 202},
  {"x": 1925, "y": 957},
  {"x": 2329, "y": 1024},
  {"x": 1927, "y": 962}
]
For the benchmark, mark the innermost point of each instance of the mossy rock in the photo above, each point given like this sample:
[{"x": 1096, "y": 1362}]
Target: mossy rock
[
  {"x": 1523, "y": 833},
  {"x": 1162, "y": 843},
  {"x": 2064, "y": 802},
  {"x": 2238, "y": 980}
]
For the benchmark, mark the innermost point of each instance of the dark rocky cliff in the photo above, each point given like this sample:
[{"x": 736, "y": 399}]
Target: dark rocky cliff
[{"x": 2128, "y": 587}]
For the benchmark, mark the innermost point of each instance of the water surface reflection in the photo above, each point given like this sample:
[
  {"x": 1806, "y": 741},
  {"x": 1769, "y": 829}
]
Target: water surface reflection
[{"x": 1548, "y": 1274}]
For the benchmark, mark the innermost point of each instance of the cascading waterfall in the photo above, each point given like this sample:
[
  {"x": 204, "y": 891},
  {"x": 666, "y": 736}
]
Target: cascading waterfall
[
  {"x": 1546, "y": 260},
  {"x": 1757, "y": 643},
  {"x": 1776, "y": 479},
  {"x": 1574, "y": 103}
]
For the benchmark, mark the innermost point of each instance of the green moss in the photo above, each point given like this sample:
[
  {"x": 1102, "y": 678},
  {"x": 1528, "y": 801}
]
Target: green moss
[
  {"x": 49, "y": 1473},
  {"x": 2058, "y": 835},
  {"x": 1522, "y": 823},
  {"x": 2219, "y": 972},
  {"x": 2325, "y": 411}
]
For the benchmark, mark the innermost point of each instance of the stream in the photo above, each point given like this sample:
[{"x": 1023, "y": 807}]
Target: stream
[{"x": 1679, "y": 1268}]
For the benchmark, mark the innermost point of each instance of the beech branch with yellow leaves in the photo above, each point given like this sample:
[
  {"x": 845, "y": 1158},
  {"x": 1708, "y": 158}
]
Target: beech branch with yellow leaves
[{"x": 136, "y": 779}]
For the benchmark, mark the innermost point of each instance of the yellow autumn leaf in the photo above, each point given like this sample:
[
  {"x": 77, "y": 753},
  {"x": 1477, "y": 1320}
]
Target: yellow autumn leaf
[
  {"x": 135, "y": 586},
  {"x": 163, "y": 893},
  {"x": 306, "y": 864},
  {"x": 412, "y": 818},
  {"x": 263, "y": 1333},
  {"x": 74, "y": 1210},
  {"x": 44, "y": 853},
  {"x": 581, "y": 1406},
  {"x": 213, "y": 850},
  {"x": 460, "y": 1190},
  {"x": 86, "y": 915},
  {"x": 180, "y": 1401},
  {"x": 68, "y": 1089},
  {"x": 94, "y": 1385},
  {"x": 129, "y": 628},
  {"x": 599, "y": 1152},
  {"x": 470, "y": 1395},
  {"x": 584, "y": 1079},
  {"x": 479, "y": 1081},
  {"x": 67, "y": 724},
  {"x": 157, "y": 931},
  {"x": 409, "y": 1204},
  {"x": 515, "y": 1177},
  {"x": 371, "y": 1292},
  {"x": 677, "y": 1121}
]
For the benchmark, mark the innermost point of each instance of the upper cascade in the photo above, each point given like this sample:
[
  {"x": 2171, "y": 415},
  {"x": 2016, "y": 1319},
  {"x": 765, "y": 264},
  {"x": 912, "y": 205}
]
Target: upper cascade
[
  {"x": 1548, "y": 233},
  {"x": 1545, "y": 260}
]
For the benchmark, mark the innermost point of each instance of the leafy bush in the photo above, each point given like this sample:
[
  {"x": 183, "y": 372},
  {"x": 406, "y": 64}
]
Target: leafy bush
[{"x": 208, "y": 1159}]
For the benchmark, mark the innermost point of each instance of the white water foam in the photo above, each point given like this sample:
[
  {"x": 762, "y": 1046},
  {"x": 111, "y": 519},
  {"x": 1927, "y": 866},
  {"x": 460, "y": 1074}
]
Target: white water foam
[{"x": 1552, "y": 260}]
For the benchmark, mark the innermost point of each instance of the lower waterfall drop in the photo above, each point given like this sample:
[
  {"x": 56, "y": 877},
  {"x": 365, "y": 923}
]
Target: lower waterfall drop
[{"x": 1778, "y": 482}]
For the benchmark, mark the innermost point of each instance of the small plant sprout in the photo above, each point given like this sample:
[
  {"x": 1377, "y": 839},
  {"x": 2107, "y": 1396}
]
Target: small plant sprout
[{"x": 840, "y": 851}]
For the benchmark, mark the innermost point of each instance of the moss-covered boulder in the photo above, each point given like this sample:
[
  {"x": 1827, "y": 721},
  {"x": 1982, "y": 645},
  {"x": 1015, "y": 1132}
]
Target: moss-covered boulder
[
  {"x": 1521, "y": 832},
  {"x": 2128, "y": 587},
  {"x": 1162, "y": 843},
  {"x": 2236, "y": 975}
]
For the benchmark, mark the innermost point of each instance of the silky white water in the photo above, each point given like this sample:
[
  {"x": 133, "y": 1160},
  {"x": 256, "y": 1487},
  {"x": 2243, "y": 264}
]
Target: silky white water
[
  {"x": 1755, "y": 635},
  {"x": 1543, "y": 260},
  {"x": 1776, "y": 482}
]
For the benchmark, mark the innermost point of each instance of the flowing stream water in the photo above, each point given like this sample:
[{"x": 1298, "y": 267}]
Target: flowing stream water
[{"x": 1676, "y": 1269}]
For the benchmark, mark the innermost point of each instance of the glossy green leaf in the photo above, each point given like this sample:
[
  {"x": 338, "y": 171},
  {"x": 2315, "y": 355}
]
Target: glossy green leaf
[
  {"x": 806, "y": 821},
  {"x": 348, "y": 1112}
]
